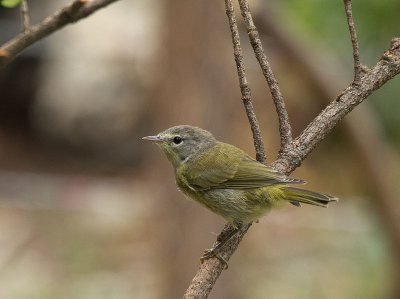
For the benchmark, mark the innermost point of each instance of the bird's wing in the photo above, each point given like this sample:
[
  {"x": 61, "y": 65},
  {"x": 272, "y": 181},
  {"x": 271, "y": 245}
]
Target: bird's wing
[
  {"x": 227, "y": 167},
  {"x": 253, "y": 174}
]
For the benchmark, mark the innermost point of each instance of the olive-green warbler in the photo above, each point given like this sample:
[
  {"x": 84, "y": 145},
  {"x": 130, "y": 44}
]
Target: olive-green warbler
[{"x": 226, "y": 180}]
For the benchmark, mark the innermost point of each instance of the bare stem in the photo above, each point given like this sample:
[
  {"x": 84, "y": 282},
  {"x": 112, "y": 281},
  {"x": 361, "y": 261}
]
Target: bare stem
[
  {"x": 285, "y": 129},
  {"x": 244, "y": 87},
  {"x": 358, "y": 68},
  {"x": 25, "y": 16},
  {"x": 71, "y": 13}
]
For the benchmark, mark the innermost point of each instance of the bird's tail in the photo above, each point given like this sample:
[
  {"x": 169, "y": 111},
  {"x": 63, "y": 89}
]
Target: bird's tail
[{"x": 297, "y": 195}]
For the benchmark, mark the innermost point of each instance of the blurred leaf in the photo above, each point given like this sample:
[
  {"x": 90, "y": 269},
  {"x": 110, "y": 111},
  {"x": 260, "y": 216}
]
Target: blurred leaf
[{"x": 10, "y": 3}]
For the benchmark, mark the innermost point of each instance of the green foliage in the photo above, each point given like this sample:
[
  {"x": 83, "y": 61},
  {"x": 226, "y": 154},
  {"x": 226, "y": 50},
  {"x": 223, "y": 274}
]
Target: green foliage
[{"x": 10, "y": 3}]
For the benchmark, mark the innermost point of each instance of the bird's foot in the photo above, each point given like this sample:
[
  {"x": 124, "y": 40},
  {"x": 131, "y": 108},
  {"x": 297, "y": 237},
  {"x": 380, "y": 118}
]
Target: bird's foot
[
  {"x": 213, "y": 252},
  {"x": 229, "y": 231}
]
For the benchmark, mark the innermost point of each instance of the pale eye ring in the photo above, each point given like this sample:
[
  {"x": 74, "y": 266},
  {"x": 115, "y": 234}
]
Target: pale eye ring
[{"x": 177, "y": 140}]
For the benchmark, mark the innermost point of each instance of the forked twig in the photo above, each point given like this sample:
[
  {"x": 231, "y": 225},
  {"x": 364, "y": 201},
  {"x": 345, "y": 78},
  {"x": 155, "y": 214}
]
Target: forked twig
[
  {"x": 285, "y": 129},
  {"x": 244, "y": 87},
  {"x": 317, "y": 130}
]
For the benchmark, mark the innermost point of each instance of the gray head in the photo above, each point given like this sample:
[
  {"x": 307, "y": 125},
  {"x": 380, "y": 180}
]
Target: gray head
[{"x": 182, "y": 143}]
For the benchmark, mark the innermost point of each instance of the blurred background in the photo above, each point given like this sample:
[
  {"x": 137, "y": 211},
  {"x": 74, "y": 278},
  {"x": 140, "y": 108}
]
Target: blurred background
[{"x": 88, "y": 210}]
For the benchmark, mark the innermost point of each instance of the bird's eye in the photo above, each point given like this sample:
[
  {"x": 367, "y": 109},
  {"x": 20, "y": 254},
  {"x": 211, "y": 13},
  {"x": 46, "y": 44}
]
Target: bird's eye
[{"x": 177, "y": 140}]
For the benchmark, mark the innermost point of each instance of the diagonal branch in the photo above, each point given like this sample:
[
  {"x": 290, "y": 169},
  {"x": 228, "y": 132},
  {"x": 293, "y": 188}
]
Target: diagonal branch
[
  {"x": 71, "y": 13},
  {"x": 244, "y": 87},
  {"x": 386, "y": 68},
  {"x": 358, "y": 68},
  {"x": 285, "y": 129},
  {"x": 317, "y": 130}
]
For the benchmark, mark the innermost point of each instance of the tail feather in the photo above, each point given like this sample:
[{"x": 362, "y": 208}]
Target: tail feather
[{"x": 297, "y": 195}]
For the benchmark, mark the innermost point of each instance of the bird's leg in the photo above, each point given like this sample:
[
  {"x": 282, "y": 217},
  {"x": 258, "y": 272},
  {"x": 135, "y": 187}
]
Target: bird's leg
[{"x": 222, "y": 239}]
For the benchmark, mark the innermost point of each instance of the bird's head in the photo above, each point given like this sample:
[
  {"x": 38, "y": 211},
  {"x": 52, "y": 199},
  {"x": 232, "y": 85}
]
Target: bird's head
[{"x": 182, "y": 143}]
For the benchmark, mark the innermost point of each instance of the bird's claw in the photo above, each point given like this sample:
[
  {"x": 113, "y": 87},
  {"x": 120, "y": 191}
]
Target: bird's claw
[{"x": 209, "y": 253}]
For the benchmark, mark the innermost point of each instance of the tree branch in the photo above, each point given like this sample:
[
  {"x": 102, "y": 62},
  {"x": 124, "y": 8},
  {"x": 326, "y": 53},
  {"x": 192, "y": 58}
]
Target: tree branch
[
  {"x": 285, "y": 129},
  {"x": 316, "y": 131},
  {"x": 358, "y": 68},
  {"x": 244, "y": 87},
  {"x": 71, "y": 13}
]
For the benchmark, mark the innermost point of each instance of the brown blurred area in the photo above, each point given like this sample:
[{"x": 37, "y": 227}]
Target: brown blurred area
[{"x": 88, "y": 210}]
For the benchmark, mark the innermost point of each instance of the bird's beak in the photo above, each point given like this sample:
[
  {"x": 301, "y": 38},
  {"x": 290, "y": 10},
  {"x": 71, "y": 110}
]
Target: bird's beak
[{"x": 152, "y": 138}]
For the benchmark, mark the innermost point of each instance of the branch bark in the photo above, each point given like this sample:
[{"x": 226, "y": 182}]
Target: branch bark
[
  {"x": 71, "y": 13},
  {"x": 387, "y": 67}
]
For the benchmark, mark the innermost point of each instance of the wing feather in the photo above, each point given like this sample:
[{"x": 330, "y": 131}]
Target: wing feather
[{"x": 227, "y": 167}]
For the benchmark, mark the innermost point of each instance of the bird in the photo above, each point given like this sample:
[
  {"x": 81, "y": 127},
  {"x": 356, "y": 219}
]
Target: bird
[{"x": 226, "y": 180}]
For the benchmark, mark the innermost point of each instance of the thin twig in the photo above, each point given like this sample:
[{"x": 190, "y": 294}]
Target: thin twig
[
  {"x": 71, "y": 13},
  {"x": 25, "y": 16},
  {"x": 318, "y": 129},
  {"x": 244, "y": 87},
  {"x": 358, "y": 68},
  {"x": 285, "y": 129}
]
